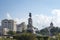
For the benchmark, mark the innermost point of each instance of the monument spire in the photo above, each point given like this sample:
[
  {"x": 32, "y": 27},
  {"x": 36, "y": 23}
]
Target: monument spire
[{"x": 30, "y": 26}]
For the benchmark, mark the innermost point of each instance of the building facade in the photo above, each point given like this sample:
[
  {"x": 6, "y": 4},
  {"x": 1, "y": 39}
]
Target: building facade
[
  {"x": 21, "y": 27},
  {"x": 8, "y": 24}
]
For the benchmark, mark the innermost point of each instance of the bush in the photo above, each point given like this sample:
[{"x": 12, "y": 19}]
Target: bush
[
  {"x": 26, "y": 36},
  {"x": 11, "y": 33}
]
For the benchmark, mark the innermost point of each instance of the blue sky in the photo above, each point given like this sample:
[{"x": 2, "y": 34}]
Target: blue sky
[{"x": 21, "y": 8}]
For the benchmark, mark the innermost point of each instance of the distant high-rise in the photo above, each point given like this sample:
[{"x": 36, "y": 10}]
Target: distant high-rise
[
  {"x": 30, "y": 26},
  {"x": 9, "y": 24}
]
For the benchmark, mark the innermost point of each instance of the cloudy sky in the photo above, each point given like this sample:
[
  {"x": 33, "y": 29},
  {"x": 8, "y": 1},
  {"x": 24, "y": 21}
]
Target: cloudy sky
[{"x": 43, "y": 11}]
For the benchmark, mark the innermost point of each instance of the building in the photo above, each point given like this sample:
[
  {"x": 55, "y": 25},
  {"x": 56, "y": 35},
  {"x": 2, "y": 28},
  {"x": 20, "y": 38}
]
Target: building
[
  {"x": 0, "y": 30},
  {"x": 51, "y": 24},
  {"x": 5, "y": 30},
  {"x": 8, "y": 24},
  {"x": 21, "y": 27},
  {"x": 49, "y": 28}
]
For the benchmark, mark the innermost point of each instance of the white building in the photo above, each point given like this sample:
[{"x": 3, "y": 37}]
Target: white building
[
  {"x": 5, "y": 30},
  {"x": 21, "y": 27},
  {"x": 9, "y": 24}
]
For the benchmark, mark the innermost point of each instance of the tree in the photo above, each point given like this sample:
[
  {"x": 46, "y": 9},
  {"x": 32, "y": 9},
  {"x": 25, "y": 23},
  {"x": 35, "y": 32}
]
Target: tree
[{"x": 26, "y": 36}]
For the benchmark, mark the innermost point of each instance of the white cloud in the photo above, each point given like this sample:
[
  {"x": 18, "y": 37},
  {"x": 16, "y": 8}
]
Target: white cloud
[
  {"x": 17, "y": 20},
  {"x": 21, "y": 20},
  {"x": 41, "y": 21},
  {"x": 56, "y": 13},
  {"x": 8, "y": 16},
  {"x": 38, "y": 20}
]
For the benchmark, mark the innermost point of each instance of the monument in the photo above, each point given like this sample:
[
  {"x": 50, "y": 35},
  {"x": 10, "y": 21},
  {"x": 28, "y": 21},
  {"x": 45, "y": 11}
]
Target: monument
[{"x": 30, "y": 25}]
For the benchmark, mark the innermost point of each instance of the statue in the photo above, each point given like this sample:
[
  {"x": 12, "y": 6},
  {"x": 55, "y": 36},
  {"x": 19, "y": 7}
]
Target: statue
[{"x": 29, "y": 14}]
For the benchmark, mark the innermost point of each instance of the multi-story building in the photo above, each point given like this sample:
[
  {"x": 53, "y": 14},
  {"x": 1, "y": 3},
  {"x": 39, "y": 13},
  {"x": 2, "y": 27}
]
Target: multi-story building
[
  {"x": 21, "y": 27},
  {"x": 9, "y": 24}
]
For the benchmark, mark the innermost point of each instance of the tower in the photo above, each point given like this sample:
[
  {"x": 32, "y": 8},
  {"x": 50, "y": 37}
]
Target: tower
[
  {"x": 30, "y": 26},
  {"x": 51, "y": 24},
  {"x": 50, "y": 29}
]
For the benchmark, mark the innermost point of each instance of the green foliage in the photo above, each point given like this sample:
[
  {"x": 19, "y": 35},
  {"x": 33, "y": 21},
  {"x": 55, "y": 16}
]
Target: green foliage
[
  {"x": 6, "y": 39},
  {"x": 54, "y": 31},
  {"x": 44, "y": 31},
  {"x": 11, "y": 33},
  {"x": 42, "y": 37},
  {"x": 26, "y": 36}
]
